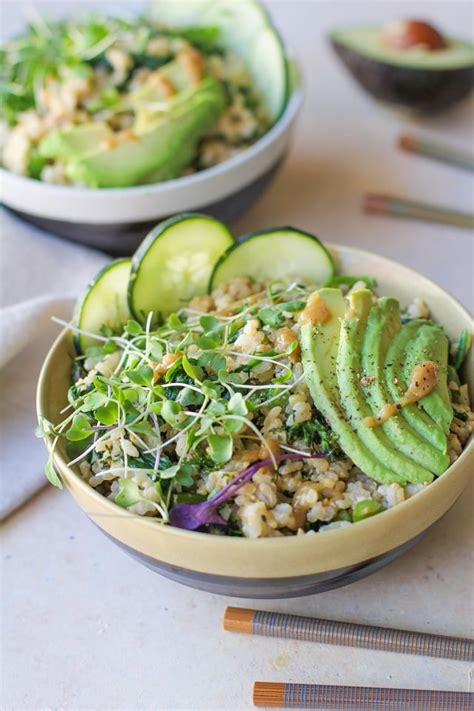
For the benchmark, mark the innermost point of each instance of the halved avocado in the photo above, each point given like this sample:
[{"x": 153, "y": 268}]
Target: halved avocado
[{"x": 408, "y": 63}]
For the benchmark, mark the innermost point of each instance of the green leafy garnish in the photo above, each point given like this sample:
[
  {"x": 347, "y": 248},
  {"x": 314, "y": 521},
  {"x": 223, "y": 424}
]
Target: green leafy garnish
[{"x": 80, "y": 429}]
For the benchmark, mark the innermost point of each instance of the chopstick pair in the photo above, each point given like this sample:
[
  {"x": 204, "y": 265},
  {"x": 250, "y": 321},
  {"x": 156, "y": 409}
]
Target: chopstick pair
[
  {"x": 379, "y": 204},
  {"x": 274, "y": 624}
]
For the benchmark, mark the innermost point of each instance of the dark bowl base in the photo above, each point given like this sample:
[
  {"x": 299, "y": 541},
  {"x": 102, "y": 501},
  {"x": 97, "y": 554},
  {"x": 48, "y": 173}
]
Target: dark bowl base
[
  {"x": 121, "y": 239},
  {"x": 271, "y": 588}
]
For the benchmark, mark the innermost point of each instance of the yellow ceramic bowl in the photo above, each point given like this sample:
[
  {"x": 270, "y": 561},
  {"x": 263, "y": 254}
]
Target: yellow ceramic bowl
[{"x": 276, "y": 567}]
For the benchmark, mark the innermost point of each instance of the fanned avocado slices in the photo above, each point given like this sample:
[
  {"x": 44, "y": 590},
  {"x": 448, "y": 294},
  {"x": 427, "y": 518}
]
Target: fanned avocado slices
[
  {"x": 395, "y": 382},
  {"x": 319, "y": 346},
  {"x": 382, "y": 326},
  {"x": 353, "y": 361},
  {"x": 356, "y": 407},
  {"x": 160, "y": 151}
]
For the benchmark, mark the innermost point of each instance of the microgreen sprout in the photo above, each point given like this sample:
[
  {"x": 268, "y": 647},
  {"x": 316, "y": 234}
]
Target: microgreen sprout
[{"x": 169, "y": 404}]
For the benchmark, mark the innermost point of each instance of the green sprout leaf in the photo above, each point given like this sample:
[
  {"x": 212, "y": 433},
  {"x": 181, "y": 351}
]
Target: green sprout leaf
[
  {"x": 216, "y": 408},
  {"x": 133, "y": 328},
  {"x": 185, "y": 475},
  {"x": 210, "y": 324},
  {"x": 221, "y": 447},
  {"x": 143, "y": 428},
  {"x": 45, "y": 428},
  {"x": 190, "y": 397},
  {"x": 237, "y": 406},
  {"x": 194, "y": 371},
  {"x": 51, "y": 473},
  {"x": 212, "y": 361},
  {"x": 107, "y": 414},
  {"x": 80, "y": 429},
  {"x": 141, "y": 376},
  {"x": 292, "y": 306},
  {"x": 170, "y": 411},
  {"x": 109, "y": 347},
  {"x": 94, "y": 400},
  {"x": 271, "y": 317},
  {"x": 207, "y": 342},
  {"x": 173, "y": 321},
  {"x": 156, "y": 350},
  {"x": 170, "y": 472}
]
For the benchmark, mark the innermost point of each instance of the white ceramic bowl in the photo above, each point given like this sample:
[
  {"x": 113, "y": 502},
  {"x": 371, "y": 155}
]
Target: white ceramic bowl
[{"x": 116, "y": 219}]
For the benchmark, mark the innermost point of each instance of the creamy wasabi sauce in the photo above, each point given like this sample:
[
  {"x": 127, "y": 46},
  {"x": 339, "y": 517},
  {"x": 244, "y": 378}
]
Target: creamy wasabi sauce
[{"x": 423, "y": 380}]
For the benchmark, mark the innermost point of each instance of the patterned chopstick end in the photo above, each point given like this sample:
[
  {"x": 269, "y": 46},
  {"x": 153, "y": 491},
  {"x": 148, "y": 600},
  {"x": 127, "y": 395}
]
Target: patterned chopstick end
[
  {"x": 237, "y": 619},
  {"x": 347, "y": 634},
  {"x": 362, "y": 698}
]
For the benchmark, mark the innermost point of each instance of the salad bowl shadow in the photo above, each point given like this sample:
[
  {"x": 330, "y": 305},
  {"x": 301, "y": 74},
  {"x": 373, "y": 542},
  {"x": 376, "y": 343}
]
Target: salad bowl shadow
[
  {"x": 288, "y": 566},
  {"x": 115, "y": 220}
]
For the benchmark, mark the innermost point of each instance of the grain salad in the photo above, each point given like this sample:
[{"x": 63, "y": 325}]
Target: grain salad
[
  {"x": 161, "y": 416},
  {"x": 108, "y": 102}
]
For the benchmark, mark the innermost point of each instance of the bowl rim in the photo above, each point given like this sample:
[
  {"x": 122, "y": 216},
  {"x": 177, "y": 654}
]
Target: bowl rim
[
  {"x": 277, "y": 543},
  {"x": 292, "y": 108}
]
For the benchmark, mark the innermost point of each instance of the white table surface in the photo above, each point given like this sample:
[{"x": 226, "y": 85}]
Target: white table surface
[{"x": 85, "y": 627}]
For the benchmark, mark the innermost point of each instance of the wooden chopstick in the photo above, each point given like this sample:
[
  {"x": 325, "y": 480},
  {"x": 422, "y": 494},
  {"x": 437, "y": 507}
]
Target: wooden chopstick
[
  {"x": 362, "y": 698},
  {"x": 400, "y": 207},
  {"x": 386, "y": 639},
  {"x": 435, "y": 150}
]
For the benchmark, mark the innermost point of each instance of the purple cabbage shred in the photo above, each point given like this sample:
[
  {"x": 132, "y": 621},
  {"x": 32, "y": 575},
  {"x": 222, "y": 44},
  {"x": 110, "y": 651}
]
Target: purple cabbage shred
[{"x": 194, "y": 516}]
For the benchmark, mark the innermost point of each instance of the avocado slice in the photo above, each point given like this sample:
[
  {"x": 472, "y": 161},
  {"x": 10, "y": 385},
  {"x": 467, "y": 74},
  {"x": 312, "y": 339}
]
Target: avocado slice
[
  {"x": 431, "y": 343},
  {"x": 74, "y": 141},
  {"x": 356, "y": 407},
  {"x": 161, "y": 151},
  {"x": 382, "y": 326},
  {"x": 319, "y": 347},
  {"x": 395, "y": 382},
  {"x": 417, "y": 77}
]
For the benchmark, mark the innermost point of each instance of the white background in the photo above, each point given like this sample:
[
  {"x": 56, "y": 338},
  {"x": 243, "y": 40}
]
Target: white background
[{"x": 83, "y": 626}]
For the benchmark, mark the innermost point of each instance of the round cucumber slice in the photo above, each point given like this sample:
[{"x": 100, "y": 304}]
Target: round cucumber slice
[
  {"x": 174, "y": 263},
  {"x": 104, "y": 303},
  {"x": 273, "y": 254}
]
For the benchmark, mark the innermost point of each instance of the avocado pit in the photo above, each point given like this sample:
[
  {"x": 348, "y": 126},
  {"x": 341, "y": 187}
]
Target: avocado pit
[{"x": 406, "y": 34}]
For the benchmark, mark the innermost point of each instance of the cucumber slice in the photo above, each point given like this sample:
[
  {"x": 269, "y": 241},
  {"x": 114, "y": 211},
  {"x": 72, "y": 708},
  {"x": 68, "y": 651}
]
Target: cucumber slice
[
  {"x": 275, "y": 253},
  {"x": 268, "y": 68},
  {"x": 238, "y": 22},
  {"x": 246, "y": 29},
  {"x": 104, "y": 303},
  {"x": 174, "y": 263}
]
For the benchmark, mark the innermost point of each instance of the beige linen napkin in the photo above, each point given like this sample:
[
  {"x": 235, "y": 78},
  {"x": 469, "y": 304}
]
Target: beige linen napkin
[{"x": 40, "y": 277}]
